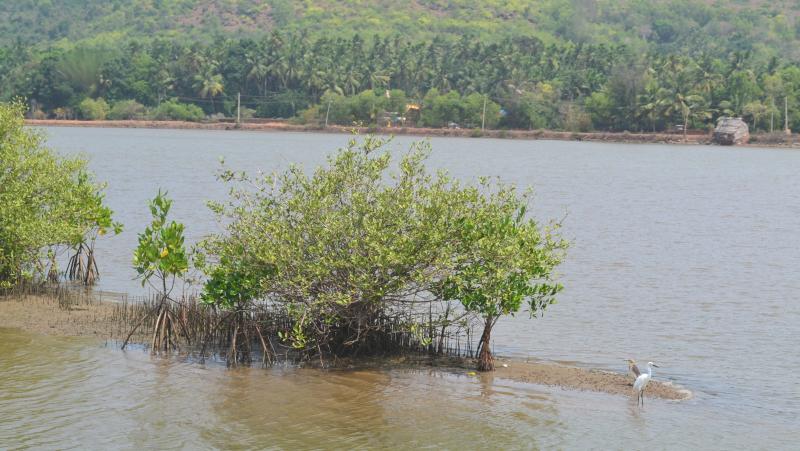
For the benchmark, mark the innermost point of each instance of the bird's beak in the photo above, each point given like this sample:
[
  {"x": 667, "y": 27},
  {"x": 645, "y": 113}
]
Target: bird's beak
[{"x": 656, "y": 366}]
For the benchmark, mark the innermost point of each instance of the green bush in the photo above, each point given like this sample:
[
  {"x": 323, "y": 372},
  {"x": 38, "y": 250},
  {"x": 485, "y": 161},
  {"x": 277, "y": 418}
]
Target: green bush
[
  {"x": 439, "y": 110},
  {"x": 127, "y": 109},
  {"x": 174, "y": 111},
  {"x": 159, "y": 259},
  {"x": 309, "y": 116},
  {"x": 575, "y": 118},
  {"x": 46, "y": 202},
  {"x": 364, "y": 108},
  {"x": 286, "y": 104},
  {"x": 354, "y": 243},
  {"x": 247, "y": 113},
  {"x": 93, "y": 110}
]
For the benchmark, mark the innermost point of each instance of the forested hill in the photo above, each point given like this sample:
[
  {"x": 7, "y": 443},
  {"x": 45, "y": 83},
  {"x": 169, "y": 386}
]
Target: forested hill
[
  {"x": 761, "y": 25},
  {"x": 547, "y": 64}
]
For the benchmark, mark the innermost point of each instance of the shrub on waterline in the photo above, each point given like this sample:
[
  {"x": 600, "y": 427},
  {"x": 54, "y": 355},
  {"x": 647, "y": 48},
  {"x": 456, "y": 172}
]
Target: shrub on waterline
[
  {"x": 93, "y": 109},
  {"x": 126, "y": 110},
  {"x": 355, "y": 246},
  {"x": 503, "y": 260},
  {"x": 159, "y": 259},
  {"x": 47, "y": 203},
  {"x": 172, "y": 110}
]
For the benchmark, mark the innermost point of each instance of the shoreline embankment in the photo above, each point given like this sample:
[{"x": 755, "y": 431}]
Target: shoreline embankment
[{"x": 284, "y": 126}]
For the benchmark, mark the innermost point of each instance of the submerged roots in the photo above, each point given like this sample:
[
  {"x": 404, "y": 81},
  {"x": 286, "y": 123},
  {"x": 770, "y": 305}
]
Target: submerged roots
[
  {"x": 82, "y": 266},
  {"x": 252, "y": 333},
  {"x": 242, "y": 334}
]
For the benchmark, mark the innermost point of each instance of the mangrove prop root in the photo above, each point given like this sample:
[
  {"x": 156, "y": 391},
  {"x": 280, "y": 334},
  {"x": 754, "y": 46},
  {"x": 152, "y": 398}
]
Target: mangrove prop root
[
  {"x": 92, "y": 274},
  {"x": 155, "y": 329},
  {"x": 133, "y": 330},
  {"x": 267, "y": 357},
  {"x": 235, "y": 334}
]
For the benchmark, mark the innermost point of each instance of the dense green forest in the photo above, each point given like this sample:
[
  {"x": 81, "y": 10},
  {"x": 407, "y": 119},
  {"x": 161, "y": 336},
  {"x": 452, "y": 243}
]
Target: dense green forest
[{"x": 559, "y": 64}]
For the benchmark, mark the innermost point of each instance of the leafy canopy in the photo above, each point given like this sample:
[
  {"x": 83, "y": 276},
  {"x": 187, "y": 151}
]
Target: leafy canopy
[
  {"x": 502, "y": 257},
  {"x": 357, "y": 242},
  {"x": 46, "y": 200},
  {"x": 161, "y": 250}
]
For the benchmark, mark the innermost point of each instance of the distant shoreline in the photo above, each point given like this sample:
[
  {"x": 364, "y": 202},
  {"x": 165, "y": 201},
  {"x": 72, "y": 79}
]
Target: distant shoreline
[
  {"x": 273, "y": 126},
  {"x": 757, "y": 139}
]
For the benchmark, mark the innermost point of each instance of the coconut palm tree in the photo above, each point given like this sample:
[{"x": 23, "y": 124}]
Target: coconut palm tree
[
  {"x": 687, "y": 105},
  {"x": 259, "y": 70},
  {"x": 649, "y": 106},
  {"x": 208, "y": 84}
]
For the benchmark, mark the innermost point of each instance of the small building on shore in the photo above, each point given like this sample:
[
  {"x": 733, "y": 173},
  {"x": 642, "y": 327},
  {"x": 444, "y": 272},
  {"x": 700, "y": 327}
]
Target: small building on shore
[{"x": 731, "y": 131}]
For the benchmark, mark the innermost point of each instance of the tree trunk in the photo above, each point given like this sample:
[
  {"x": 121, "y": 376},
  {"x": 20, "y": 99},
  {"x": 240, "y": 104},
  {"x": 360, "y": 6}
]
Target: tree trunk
[
  {"x": 485, "y": 358},
  {"x": 89, "y": 277},
  {"x": 444, "y": 327},
  {"x": 685, "y": 126}
]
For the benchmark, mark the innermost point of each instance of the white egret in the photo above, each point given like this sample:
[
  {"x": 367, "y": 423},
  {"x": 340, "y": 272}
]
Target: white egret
[{"x": 642, "y": 381}]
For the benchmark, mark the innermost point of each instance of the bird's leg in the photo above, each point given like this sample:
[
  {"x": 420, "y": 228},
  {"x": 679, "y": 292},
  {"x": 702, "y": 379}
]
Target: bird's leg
[{"x": 642, "y": 397}]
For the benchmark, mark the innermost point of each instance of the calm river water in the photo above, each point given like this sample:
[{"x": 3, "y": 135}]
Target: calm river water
[{"x": 687, "y": 256}]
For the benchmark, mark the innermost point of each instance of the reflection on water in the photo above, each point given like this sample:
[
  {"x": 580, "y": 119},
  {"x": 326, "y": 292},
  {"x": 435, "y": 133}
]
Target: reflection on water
[{"x": 684, "y": 255}]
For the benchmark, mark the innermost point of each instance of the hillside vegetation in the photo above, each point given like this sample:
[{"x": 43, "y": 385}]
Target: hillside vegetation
[
  {"x": 735, "y": 24},
  {"x": 561, "y": 64}
]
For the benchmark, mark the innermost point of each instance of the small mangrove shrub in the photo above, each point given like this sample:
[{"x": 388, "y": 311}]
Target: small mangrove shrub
[
  {"x": 358, "y": 250},
  {"x": 503, "y": 260},
  {"x": 82, "y": 266},
  {"x": 159, "y": 259},
  {"x": 48, "y": 204},
  {"x": 339, "y": 250}
]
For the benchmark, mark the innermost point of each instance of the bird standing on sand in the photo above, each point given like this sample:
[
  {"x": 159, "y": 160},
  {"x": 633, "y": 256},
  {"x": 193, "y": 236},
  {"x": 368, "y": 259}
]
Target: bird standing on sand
[
  {"x": 633, "y": 369},
  {"x": 642, "y": 381}
]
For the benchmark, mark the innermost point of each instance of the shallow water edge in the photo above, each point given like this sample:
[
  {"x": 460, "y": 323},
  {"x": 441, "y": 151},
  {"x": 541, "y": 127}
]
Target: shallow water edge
[{"x": 45, "y": 315}]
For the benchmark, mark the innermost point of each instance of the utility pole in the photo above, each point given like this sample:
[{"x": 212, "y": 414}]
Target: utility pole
[
  {"x": 483, "y": 116},
  {"x": 327, "y": 113},
  {"x": 772, "y": 118},
  {"x": 786, "y": 116},
  {"x": 239, "y": 109}
]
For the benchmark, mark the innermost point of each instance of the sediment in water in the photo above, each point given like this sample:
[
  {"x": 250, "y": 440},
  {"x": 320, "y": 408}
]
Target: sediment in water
[{"x": 52, "y": 315}]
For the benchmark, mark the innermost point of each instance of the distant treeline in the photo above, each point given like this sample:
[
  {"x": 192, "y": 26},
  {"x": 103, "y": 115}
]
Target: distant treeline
[{"x": 512, "y": 83}]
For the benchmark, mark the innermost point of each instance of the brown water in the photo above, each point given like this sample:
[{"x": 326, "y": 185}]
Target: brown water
[{"x": 687, "y": 256}]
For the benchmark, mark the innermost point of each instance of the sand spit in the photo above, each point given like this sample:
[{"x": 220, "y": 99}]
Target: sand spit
[{"x": 546, "y": 373}]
